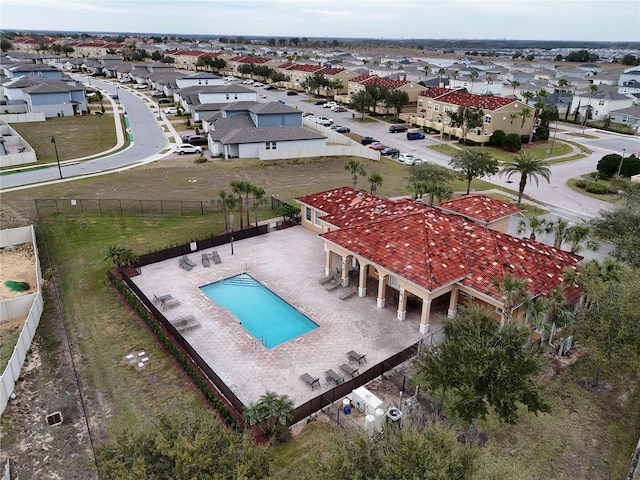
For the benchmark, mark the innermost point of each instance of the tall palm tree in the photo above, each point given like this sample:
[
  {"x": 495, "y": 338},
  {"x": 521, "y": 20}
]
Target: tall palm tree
[
  {"x": 515, "y": 84},
  {"x": 427, "y": 70},
  {"x": 375, "y": 180},
  {"x": 593, "y": 89},
  {"x": 473, "y": 75},
  {"x": 222, "y": 200},
  {"x": 258, "y": 198},
  {"x": 455, "y": 74},
  {"x": 525, "y": 112},
  {"x": 538, "y": 107},
  {"x": 276, "y": 409},
  {"x": 529, "y": 168},
  {"x": 355, "y": 168},
  {"x": 238, "y": 187},
  {"x": 527, "y": 96},
  {"x": 441, "y": 73},
  {"x": 489, "y": 82}
]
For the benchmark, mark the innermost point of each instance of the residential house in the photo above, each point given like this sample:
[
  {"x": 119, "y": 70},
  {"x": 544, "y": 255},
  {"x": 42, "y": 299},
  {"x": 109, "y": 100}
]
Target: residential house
[
  {"x": 629, "y": 81},
  {"x": 51, "y": 96},
  {"x": 629, "y": 116},
  {"x": 499, "y": 113},
  {"x": 190, "y": 97},
  {"x": 429, "y": 255},
  {"x": 360, "y": 83},
  {"x": 600, "y": 103}
]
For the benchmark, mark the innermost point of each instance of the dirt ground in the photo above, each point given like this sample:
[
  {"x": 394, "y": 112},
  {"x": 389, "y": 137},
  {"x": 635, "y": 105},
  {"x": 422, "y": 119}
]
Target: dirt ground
[{"x": 17, "y": 263}]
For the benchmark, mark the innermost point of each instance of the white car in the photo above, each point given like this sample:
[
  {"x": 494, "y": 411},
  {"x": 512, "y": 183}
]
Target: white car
[
  {"x": 125, "y": 80},
  {"x": 258, "y": 84},
  {"x": 406, "y": 157},
  {"x": 188, "y": 148},
  {"x": 330, "y": 105},
  {"x": 248, "y": 81},
  {"x": 140, "y": 86},
  {"x": 414, "y": 161},
  {"x": 171, "y": 111}
]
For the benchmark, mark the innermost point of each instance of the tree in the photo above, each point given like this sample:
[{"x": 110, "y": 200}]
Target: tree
[
  {"x": 239, "y": 187},
  {"x": 609, "y": 166},
  {"x": 362, "y": 101},
  {"x": 514, "y": 292},
  {"x": 258, "y": 198},
  {"x": 355, "y": 168},
  {"x": 375, "y": 180},
  {"x": 472, "y": 164},
  {"x": 465, "y": 118},
  {"x": 120, "y": 256},
  {"x": 406, "y": 453},
  {"x": 315, "y": 82},
  {"x": 525, "y": 112},
  {"x": 473, "y": 75},
  {"x": 184, "y": 446},
  {"x": 224, "y": 201},
  {"x": 430, "y": 179},
  {"x": 5, "y": 45},
  {"x": 620, "y": 225},
  {"x": 593, "y": 89},
  {"x": 274, "y": 412},
  {"x": 529, "y": 168},
  {"x": 536, "y": 224},
  {"x": 396, "y": 99},
  {"x": 484, "y": 366},
  {"x": 515, "y": 84}
]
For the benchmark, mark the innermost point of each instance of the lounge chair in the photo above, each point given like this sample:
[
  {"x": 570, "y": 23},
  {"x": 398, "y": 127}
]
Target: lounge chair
[
  {"x": 162, "y": 298},
  {"x": 170, "y": 303},
  {"x": 205, "y": 260},
  {"x": 356, "y": 357},
  {"x": 325, "y": 280},
  {"x": 346, "y": 368},
  {"x": 188, "y": 261},
  {"x": 331, "y": 286},
  {"x": 184, "y": 265},
  {"x": 309, "y": 380},
  {"x": 331, "y": 376},
  {"x": 216, "y": 257},
  {"x": 186, "y": 322},
  {"x": 348, "y": 293}
]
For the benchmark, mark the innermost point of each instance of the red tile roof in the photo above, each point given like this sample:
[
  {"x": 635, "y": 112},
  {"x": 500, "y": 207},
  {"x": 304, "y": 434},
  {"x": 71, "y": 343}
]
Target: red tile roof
[
  {"x": 462, "y": 98},
  {"x": 360, "y": 78},
  {"x": 242, "y": 59},
  {"x": 286, "y": 65},
  {"x": 433, "y": 249},
  {"x": 385, "y": 82},
  {"x": 331, "y": 71},
  {"x": 479, "y": 207},
  {"x": 304, "y": 67}
]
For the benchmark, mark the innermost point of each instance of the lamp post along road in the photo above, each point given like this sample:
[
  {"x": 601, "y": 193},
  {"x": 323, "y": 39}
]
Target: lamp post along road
[
  {"x": 55, "y": 147},
  {"x": 621, "y": 160}
]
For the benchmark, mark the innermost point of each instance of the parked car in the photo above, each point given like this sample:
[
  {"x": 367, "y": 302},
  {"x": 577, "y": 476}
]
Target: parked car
[
  {"x": 338, "y": 108},
  {"x": 262, "y": 96},
  {"x": 270, "y": 87},
  {"x": 415, "y": 135},
  {"x": 188, "y": 148},
  {"x": 291, "y": 93},
  {"x": 307, "y": 114},
  {"x": 164, "y": 101},
  {"x": 405, "y": 157},
  {"x": 397, "y": 128},
  {"x": 248, "y": 81},
  {"x": 198, "y": 140},
  {"x": 280, "y": 101},
  {"x": 258, "y": 84},
  {"x": 171, "y": 111},
  {"x": 156, "y": 94},
  {"x": 340, "y": 129},
  {"x": 98, "y": 74},
  {"x": 125, "y": 80},
  {"x": 377, "y": 146},
  {"x": 330, "y": 105},
  {"x": 368, "y": 140},
  {"x": 140, "y": 86},
  {"x": 390, "y": 152},
  {"x": 414, "y": 161},
  {"x": 321, "y": 101},
  {"x": 325, "y": 122}
]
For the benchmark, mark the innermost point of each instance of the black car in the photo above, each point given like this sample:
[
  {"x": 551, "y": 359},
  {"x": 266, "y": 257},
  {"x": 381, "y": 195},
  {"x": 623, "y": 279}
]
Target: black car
[
  {"x": 291, "y": 93},
  {"x": 368, "y": 140},
  {"x": 340, "y": 129},
  {"x": 269, "y": 87},
  {"x": 390, "y": 152},
  {"x": 339, "y": 109},
  {"x": 320, "y": 102},
  {"x": 164, "y": 101},
  {"x": 197, "y": 140},
  {"x": 397, "y": 128}
]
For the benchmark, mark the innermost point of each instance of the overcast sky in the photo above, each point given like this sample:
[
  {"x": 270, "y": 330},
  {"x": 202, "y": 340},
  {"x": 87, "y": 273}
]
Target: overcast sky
[{"x": 579, "y": 20}]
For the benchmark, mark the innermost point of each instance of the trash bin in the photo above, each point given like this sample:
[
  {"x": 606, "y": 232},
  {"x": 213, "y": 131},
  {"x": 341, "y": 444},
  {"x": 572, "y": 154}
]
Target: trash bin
[{"x": 346, "y": 406}]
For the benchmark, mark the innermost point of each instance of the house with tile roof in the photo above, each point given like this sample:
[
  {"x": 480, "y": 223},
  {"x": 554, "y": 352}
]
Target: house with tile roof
[
  {"x": 426, "y": 254},
  {"x": 499, "y": 113},
  {"x": 360, "y": 82}
]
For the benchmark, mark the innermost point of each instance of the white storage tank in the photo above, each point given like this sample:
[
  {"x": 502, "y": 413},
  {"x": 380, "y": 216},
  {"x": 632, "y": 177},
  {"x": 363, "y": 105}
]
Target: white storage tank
[
  {"x": 369, "y": 424},
  {"x": 379, "y": 419}
]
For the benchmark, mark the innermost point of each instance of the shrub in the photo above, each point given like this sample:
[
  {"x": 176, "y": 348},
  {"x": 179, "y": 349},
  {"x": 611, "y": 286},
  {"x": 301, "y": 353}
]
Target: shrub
[
  {"x": 512, "y": 142},
  {"x": 497, "y": 138},
  {"x": 598, "y": 188},
  {"x": 581, "y": 183}
]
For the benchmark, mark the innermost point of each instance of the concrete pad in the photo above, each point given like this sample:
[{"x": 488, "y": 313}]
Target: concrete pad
[{"x": 289, "y": 262}]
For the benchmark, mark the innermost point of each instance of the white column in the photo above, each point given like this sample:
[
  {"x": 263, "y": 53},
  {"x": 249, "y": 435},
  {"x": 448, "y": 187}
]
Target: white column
[
  {"x": 453, "y": 303},
  {"x": 424, "y": 317},
  {"x": 380, "y": 301},
  {"x": 402, "y": 305},
  {"x": 362, "y": 280},
  {"x": 345, "y": 272},
  {"x": 327, "y": 261}
]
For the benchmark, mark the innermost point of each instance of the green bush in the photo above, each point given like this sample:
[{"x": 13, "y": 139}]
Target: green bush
[
  {"x": 598, "y": 188},
  {"x": 512, "y": 142},
  {"x": 497, "y": 138},
  {"x": 581, "y": 183}
]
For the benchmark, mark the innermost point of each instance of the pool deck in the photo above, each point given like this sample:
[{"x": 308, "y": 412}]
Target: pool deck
[{"x": 289, "y": 262}]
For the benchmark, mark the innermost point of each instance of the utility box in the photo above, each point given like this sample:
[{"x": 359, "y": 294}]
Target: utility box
[{"x": 366, "y": 401}]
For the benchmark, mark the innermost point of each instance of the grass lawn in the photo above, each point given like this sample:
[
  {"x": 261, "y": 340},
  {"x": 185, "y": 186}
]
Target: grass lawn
[
  {"x": 605, "y": 197},
  {"x": 76, "y": 137}
]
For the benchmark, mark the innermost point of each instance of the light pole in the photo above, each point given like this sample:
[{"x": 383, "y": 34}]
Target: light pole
[
  {"x": 621, "y": 160},
  {"x": 55, "y": 147}
]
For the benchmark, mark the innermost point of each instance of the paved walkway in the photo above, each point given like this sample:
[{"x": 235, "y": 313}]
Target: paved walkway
[{"x": 289, "y": 262}]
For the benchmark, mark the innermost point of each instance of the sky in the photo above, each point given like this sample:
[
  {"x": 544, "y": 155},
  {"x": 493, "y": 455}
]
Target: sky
[{"x": 579, "y": 20}]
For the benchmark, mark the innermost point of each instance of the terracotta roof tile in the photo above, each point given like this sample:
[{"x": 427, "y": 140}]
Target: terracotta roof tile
[
  {"x": 479, "y": 207},
  {"x": 462, "y": 98}
]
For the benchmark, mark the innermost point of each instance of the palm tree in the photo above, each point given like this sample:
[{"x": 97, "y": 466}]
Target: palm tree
[
  {"x": 375, "y": 180},
  {"x": 525, "y": 113},
  {"x": 276, "y": 410},
  {"x": 120, "y": 256},
  {"x": 513, "y": 116},
  {"x": 427, "y": 70},
  {"x": 515, "y": 84},
  {"x": 473, "y": 75},
  {"x": 593, "y": 89},
  {"x": 258, "y": 198},
  {"x": 355, "y": 168},
  {"x": 538, "y": 107},
  {"x": 489, "y": 82},
  {"x": 222, "y": 200},
  {"x": 455, "y": 74},
  {"x": 536, "y": 224},
  {"x": 537, "y": 314},
  {"x": 514, "y": 292},
  {"x": 441, "y": 73},
  {"x": 238, "y": 187},
  {"x": 527, "y": 96},
  {"x": 529, "y": 168}
]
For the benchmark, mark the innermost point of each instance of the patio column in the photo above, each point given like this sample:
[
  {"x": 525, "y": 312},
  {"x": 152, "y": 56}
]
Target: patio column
[
  {"x": 380, "y": 301},
  {"x": 402, "y": 305},
  {"x": 328, "y": 265},
  {"x": 362, "y": 281},
  {"x": 424, "y": 317},
  {"x": 345, "y": 272},
  {"x": 453, "y": 303}
]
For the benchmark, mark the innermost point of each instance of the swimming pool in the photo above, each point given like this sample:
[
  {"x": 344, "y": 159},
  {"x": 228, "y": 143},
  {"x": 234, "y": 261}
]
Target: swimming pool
[{"x": 261, "y": 312}]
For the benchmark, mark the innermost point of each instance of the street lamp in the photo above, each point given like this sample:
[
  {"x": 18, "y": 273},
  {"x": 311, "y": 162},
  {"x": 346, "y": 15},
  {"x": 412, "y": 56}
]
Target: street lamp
[
  {"x": 621, "y": 160},
  {"x": 55, "y": 147}
]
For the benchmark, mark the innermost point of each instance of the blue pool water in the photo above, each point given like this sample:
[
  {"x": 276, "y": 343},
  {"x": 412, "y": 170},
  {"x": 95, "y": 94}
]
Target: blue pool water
[{"x": 260, "y": 311}]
